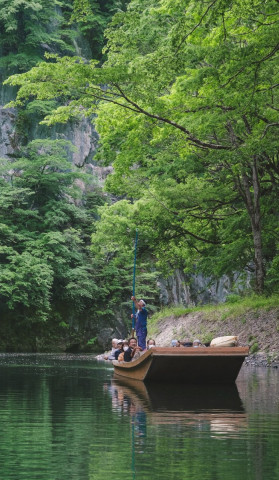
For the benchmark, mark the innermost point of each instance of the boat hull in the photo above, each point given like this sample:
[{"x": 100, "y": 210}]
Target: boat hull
[{"x": 218, "y": 365}]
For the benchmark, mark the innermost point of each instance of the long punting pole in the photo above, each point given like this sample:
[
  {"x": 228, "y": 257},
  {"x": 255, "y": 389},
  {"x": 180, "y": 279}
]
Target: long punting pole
[{"x": 134, "y": 284}]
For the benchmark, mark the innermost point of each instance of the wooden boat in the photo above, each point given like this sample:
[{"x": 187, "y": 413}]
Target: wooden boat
[{"x": 189, "y": 365}]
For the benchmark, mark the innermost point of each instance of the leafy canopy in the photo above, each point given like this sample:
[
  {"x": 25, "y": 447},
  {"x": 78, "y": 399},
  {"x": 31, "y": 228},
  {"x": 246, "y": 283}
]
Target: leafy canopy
[{"x": 187, "y": 106}]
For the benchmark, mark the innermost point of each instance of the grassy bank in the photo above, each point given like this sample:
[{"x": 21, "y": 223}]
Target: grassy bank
[
  {"x": 234, "y": 305},
  {"x": 254, "y": 319}
]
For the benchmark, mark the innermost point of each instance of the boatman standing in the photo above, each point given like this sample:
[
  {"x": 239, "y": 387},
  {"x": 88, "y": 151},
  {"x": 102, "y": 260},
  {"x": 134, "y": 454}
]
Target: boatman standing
[{"x": 141, "y": 322}]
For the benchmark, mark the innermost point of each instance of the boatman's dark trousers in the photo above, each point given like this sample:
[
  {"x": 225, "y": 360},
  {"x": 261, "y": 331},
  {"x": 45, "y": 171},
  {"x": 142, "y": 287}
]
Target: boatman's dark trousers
[{"x": 141, "y": 337}]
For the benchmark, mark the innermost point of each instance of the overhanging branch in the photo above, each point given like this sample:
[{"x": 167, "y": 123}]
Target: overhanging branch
[{"x": 190, "y": 136}]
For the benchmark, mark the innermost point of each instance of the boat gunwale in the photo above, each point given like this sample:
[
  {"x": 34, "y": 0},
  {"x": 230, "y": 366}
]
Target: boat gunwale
[
  {"x": 183, "y": 352},
  {"x": 201, "y": 351},
  {"x": 133, "y": 363}
]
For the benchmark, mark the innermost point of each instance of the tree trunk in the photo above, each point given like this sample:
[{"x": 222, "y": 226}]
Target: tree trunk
[{"x": 252, "y": 201}]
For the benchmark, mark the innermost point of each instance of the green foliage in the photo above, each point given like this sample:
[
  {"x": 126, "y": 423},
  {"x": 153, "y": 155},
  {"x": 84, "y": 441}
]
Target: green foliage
[
  {"x": 233, "y": 298},
  {"x": 187, "y": 104},
  {"x": 272, "y": 280},
  {"x": 187, "y": 113},
  {"x": 254, "y": 347},
  {"x": 30, "y": 28},
  {"x": 48, "y": 273},
  {"x": 92, "y": 341},
  {"x": 92, "y": 17},
  {"x": 223, "y": 311},
  {"x": 113, "y": 268},
  {"x": 63, "y": 325},
  {"x": 25, "y": 281},
  {"x": 46, "y": 263}
]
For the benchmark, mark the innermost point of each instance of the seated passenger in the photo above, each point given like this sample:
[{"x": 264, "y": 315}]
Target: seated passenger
[
  {"x": 111, "y": 354},
  {"x": 133, "y": 351},
  {"x": 187, "y": 343},
  {"x": 197, "y": 343},
  {"x": 119, "y": 350},
  {"x": 174, "y": 343},
  {"x": 150, "y": 343},
  {"x": 121, "y": 357}
]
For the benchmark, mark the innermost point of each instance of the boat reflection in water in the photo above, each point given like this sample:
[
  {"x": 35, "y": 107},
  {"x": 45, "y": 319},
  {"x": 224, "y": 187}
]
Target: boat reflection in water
[{"x": 218, "y": 409}]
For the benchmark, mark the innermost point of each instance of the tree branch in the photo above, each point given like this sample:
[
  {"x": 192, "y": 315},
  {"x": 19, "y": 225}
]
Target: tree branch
[
  {"x": 271, "y": 106},
  {"x": 266, "y": 57},
  {"x": 247, "y": 125},
  {"x": 196, "y": 26},
  {"x": 268, "y": 126},
  {"x": 266, "y": 89},
  {"x": 190, "y": 137},
  {"x": 269, "y": 55}
]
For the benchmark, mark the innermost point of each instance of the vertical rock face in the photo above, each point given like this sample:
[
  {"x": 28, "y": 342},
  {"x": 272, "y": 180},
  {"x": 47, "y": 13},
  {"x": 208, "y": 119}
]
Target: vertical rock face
[
  {"x": 181, "y": 289},
  {"x": 85, "y": 138},
  {"x": 7, "y": 118},
  {"x": 174, "y": 290},
  {"x": 81, "y": 134},
  {"x": 7, "y": 131}
]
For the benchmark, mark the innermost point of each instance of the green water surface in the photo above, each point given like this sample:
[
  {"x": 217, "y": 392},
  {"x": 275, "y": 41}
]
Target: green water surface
[{"x": 65, "y": 417}]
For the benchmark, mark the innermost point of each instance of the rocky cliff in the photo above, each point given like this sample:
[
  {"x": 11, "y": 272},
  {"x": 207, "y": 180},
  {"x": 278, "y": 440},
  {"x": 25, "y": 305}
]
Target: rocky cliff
[{"x": 196, "y": 289}]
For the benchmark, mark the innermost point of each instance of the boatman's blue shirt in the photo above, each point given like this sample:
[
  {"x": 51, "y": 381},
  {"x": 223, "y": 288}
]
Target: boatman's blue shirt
[{"x": 141, "y": 317}]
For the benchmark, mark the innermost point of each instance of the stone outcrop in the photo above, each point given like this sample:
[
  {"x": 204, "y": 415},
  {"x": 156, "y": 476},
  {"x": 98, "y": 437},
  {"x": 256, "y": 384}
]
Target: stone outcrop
[
  {"x": 7, "y": 131},
  {"x": 196, "y": 289}
]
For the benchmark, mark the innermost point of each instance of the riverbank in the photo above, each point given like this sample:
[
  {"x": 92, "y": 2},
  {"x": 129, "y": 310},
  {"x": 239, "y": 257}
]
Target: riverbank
[{"x": 256, "y": 324}]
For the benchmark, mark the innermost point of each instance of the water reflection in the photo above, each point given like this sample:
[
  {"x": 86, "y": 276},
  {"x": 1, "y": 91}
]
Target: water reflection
[
  {"x": 216, "y": 409},
  {"x": 64, "y": 417},
  {"x": 220, "y": 433}
]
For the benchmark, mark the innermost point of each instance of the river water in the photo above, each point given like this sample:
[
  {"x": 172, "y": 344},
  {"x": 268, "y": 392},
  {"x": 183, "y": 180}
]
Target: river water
[{"x": 65, "y": 417}]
